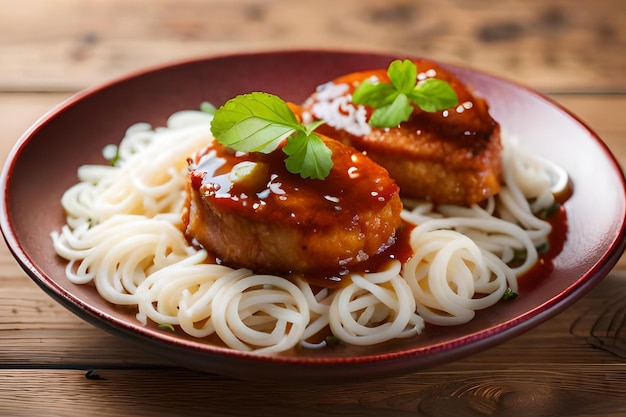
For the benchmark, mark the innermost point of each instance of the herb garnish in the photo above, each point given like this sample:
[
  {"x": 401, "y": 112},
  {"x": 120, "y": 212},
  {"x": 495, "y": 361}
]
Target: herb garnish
[
  {"x": 166, "y": 326},
  {"x": 259, "y": 122},
  {"x": 509, "y": 294},
  {"x": 549, "y": 212},
  {"x": 392, "y": 102},
  {"x": 207, "y": 107},
  {"x": 112, "y": 154},
  {"x": 332, "y": 340}
]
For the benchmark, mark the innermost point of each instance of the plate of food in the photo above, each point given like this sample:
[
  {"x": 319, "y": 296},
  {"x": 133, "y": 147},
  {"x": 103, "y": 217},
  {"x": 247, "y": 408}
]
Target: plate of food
[{"x": 313, "y": 215}]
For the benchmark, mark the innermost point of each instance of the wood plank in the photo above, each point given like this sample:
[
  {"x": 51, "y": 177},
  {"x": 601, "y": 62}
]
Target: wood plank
[
  {"x": 51, "y": 45},
  {"x": 514, "y": 392}
]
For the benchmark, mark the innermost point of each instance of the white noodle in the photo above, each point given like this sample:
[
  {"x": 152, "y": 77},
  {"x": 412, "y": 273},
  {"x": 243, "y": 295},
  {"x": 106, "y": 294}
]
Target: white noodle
[{"x": 123, "y": 234}]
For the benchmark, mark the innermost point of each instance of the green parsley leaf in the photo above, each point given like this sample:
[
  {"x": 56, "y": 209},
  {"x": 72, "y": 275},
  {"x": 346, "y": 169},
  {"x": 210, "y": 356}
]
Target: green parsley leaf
[
  {"x": 392, "y": 114},
  {"x": 433, "y": 94},
  {"x": 403, "y": 75},
  {"x": 260, "y": 122},
  {"x": 308, "y": 156},
  {"x": 374, "y": 94},
  {"x": 255, "y": 122},
  {"x": 392, "y": 102}
]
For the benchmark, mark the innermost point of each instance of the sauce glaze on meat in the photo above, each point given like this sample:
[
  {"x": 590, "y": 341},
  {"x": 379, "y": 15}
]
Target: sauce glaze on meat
[
  {"x": 249, "y": 211},
  {"x": 451, "y": 156}
]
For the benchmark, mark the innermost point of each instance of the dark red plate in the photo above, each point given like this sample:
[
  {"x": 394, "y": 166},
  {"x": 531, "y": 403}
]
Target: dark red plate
[{"x": 43, "y": 164}]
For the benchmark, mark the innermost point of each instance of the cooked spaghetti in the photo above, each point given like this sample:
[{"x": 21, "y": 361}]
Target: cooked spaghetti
[{"x": 124, "y": 235}]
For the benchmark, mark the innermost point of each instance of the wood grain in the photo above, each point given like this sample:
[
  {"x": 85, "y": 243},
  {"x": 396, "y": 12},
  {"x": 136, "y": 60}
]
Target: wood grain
[{"x": 536, "y": 393}]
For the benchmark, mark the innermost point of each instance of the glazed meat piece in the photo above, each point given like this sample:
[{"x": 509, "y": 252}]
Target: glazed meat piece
[
  {"x": 249, "y": 211},
  {"x": 451, "y": 156}
]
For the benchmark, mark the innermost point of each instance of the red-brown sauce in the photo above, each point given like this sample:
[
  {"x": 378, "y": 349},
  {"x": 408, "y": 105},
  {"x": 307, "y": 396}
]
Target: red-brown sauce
[
  {"x": 401, "y": 250},
  {"x": 355, "y": 181},
  {"x": 253, "y": 213},
  {"x": 556, "y": 241}
]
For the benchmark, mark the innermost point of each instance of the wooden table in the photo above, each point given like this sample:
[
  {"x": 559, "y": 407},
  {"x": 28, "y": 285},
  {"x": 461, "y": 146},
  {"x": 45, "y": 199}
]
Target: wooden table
[{"x": 53, "y": 364}]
